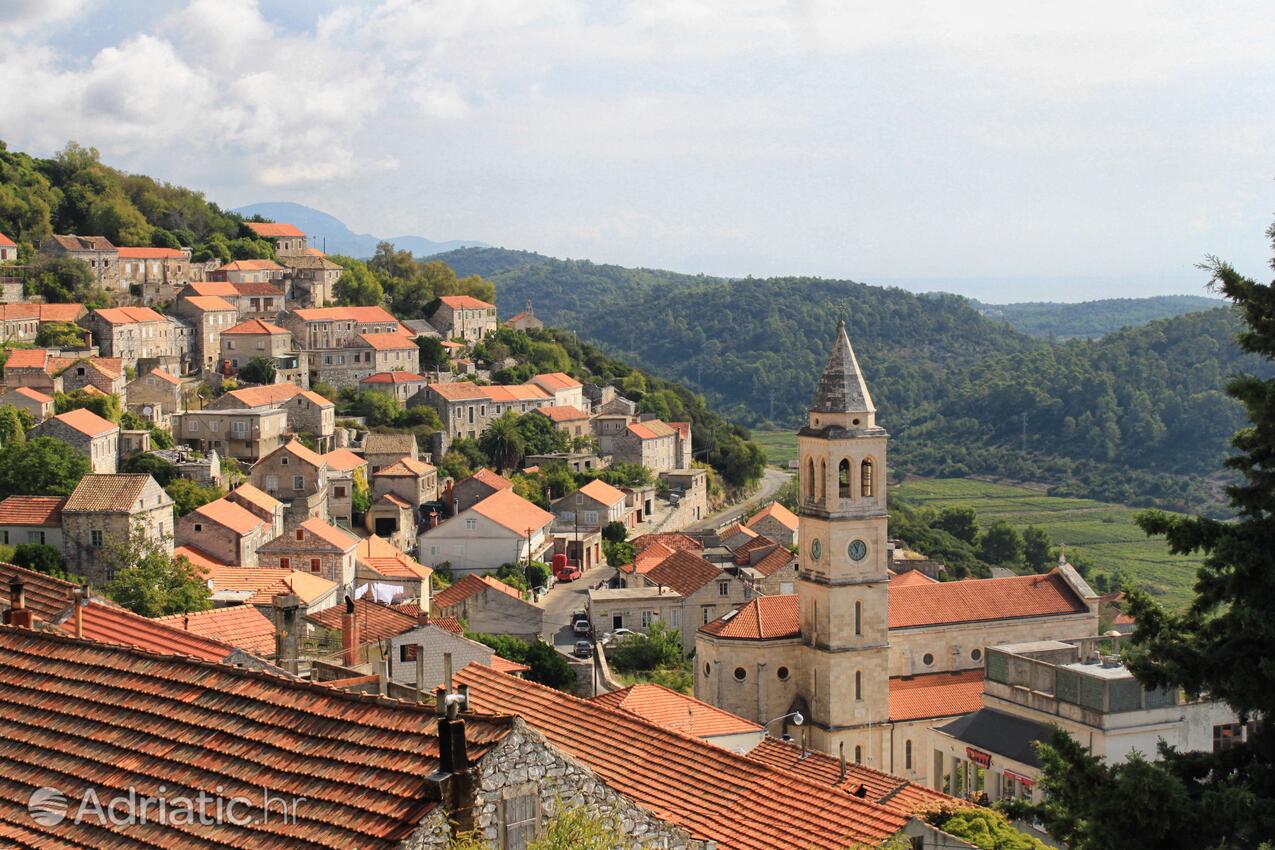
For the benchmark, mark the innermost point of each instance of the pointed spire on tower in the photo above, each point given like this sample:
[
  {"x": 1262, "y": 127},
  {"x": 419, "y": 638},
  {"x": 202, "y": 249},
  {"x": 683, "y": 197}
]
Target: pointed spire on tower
[{"x": 841, "y": 387}]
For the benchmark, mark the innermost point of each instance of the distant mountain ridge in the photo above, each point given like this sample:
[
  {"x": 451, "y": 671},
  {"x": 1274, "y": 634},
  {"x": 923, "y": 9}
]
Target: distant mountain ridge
[
  {"x": 1090, "y": 319},
  {"x": 333, "y": 236}
]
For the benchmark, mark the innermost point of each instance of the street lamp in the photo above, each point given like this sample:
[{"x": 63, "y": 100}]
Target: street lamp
[{"x": 797, "y": 720}]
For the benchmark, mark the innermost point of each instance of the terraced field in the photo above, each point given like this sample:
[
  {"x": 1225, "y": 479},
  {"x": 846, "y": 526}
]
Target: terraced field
[
  {"x": 780, "y": 446},
  {"x": 1103, "y": 535}
]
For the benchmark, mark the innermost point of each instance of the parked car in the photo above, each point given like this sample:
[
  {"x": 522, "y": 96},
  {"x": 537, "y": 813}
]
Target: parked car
[
  {"x": 583, "y": 649},
  {"x": 581, "y": 627},
  {"x": 564, "y": 570}
]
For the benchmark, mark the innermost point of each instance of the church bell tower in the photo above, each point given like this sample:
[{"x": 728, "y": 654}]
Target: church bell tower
[{"x": 842, "y": 586}]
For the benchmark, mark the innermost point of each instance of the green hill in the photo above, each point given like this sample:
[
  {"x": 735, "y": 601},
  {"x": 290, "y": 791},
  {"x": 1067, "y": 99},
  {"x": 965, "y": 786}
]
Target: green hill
[{"x": 1090, "y": 319}]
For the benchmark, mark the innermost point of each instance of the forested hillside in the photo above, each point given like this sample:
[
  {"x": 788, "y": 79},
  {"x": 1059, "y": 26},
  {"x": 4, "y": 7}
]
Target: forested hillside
[
  {"x": 1090, "y": 319},
  {"x": 1138, "y": 416}
]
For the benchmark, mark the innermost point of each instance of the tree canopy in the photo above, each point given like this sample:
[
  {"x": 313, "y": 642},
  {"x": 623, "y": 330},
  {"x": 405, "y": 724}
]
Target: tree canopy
[{"x": 42, "y": 466}]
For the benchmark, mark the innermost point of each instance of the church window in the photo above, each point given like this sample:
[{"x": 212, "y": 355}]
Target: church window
[
  {"x": 810, "y": 480},
  {"x": 858, "y": 618},
  {"x": 865, "y": 479},
  {"x": 858, "y": 755},
  {"x": 927, "y": 659},
  {"x": 858, "y": 685},
  {"x": 782, "y": 673},
  {"x": 907, "y": 755},
  {"x": 740, "y": 674},
  {"x": 976, "y": 654},
  {"x": 823, "y": 480},
  {"x": 843, "y": 479},
  {"x": 707, "y": 669}
]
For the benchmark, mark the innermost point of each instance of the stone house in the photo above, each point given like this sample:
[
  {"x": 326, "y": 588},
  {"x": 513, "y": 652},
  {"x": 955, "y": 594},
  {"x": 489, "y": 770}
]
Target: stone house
[
  {"x": 401, "y": 385},
  {"x": 345, "y": 472},
  {"x": 489, "y": 606},
  {"x": 105, "y": 374},
  {"x": 413, "y": 481},
  {"x": 464, "y": 317},
  {"x": 45, "y": 371},
  {"x": 322, "y": 328},
  {"x": 296, "y": 476},
  {"x": 592, "y": 507},
  {"x": 96, "y": 438},
  {"x": 382, "y": 450},
  {"x": 307, "y": 412},
  {"x": 776, "y": 522},
  {"x": 102, "y": 257},
  {"x": 22, "y": 322},
  {"x": 288, "y": 240},
  {"x": 252, "y": 299},
  {"x": 572, "y": 421},
  {"x": 466, "y": 409},
  {"x": 607, "y": 427},
  {"x": 366, "y": 354},
  {"x": 156, "y": 272},
  {"x": 249, "y": 271},
  {"x": 262, "y": 504},
  {"x": 103, "y": 511},
  {"x": 313, "y": 278},
  {"x": 316, "y": 547},
  {"x": 209, "y": 316},
  {"x": 8, "y": 249},
  {"x": 134, "y": 442},
  {"x": 566, "y": 390},
  {"x": 132, "y": 333},
  {"x": 525, "y": 321},
  {"x": 462, "y": 495},
  {"x": 706, "y": 591},
  {"x": 155, "y": 396},
  {"x": 243, "y": 434},
  {"x": 380, "y": 561},
  {"x": 250, "y": 339},
  {"x": 652, "y": 444},
  {"x": 392, "y": 518},
  {"x": 504, "y": 528},
  {"x": 34, "y": 402},
  {"x": 224, "y": 531},
  {"x": 31, "y": 519},
  {"x": 688, "y": 493},
  {"x": 767, "y": 567}
]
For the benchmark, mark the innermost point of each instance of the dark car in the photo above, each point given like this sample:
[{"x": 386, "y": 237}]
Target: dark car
[{"x": 583, "y": 649}]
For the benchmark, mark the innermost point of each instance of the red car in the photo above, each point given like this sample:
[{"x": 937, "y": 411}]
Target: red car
[{"x": 569, "y": 572}]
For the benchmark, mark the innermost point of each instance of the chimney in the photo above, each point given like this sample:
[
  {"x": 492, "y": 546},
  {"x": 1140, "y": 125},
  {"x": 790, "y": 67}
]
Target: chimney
[
  {"x": 433, "y": 519},
  {"x": 18, "y": 615},
  {"x": 422, "y": 618},
  {"x": 286, "y": 606},
  {"x": 78, "y": 595},
  {"x": 349, "y": 635},
  {"x": 841, "y": 771}
]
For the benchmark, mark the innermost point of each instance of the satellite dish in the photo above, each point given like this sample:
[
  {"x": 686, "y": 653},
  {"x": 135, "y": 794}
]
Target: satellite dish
[{"x": 797, "y": 719}]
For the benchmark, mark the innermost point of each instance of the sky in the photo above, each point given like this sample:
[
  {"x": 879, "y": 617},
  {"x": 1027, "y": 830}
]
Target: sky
[{"x": 1009, "y": 151}]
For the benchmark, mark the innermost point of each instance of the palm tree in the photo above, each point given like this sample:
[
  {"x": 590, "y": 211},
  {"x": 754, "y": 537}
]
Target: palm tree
[{"x": 503, "y": 443}]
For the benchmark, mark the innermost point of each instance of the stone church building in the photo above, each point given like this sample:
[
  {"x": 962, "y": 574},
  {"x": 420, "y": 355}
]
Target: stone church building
[{"x": 871, "y": 659}]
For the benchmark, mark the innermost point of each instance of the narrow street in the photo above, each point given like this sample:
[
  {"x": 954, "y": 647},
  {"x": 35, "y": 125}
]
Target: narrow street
[
  {"x": 562, "y": 600},
  {"x": 772, "y": 479}
]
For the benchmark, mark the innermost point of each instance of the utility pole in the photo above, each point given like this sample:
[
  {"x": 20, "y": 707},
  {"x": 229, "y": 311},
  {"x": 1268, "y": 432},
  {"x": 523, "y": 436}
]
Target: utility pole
[{"x": 1024, "y": 430}]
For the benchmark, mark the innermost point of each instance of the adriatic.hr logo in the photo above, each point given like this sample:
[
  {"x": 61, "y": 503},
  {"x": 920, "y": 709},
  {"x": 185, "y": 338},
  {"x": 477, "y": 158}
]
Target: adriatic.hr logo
[{"x": 49, "y": 807}]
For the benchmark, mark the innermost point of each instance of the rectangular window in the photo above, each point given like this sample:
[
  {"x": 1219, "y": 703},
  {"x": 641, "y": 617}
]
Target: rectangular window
[
  {"x": 708, "y": 613},
  {"x": 339, "y": 491},
  {"x": 1227, "y": 736},
  {"x": 298, "y": 483},
  {"x": 591, "y": 517},
  {"x": 723, "y": 588},
  {"x": 95, "y": 537},
  {"x": 471, "y": 524},
  {"x": 314, "y": 565},
  {"x": 646, "y": 619},
  {"x": 285, "y": 563}
]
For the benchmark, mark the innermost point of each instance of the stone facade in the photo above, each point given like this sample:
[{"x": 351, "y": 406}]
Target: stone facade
[
  {"x": 154, "y": 396},
  {"x": 464, "y": 317},
  {"x": 208, "y": 317},
  {"x": 102, "y": 450},
  {"x": 246, "y": 435},
  {"x": 134, "y": 333},
  {"x": 296, "y": 476},
  {"x": 302, "y": 549},
  {"x": 90, "y": 526},
  {"x": 102, "y": 257}
]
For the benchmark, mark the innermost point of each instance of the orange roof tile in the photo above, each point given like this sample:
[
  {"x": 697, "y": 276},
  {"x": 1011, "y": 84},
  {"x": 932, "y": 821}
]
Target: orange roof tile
[
  {"x": 77, "y": 714},
  {"x": 360, "y": 315},
  {"x": 465, "y": 390},
  {"x": 86, "y": 422},
  {"x": 110, "y": 624},
  {"x": 777, "y": 512},
  {"x": 602, "y": 492},
  {"x": 764, "y": 618},
  {"x": 43, "y": 312},
  {"x": 270, "y": 229},
  {"x": 671, "y": 539},
  {"x": 196, "y": 557},
  {"x": 976, "y": 600},
  {"x": 242, "y": 626},
  {"x": 251, "y": 266},
  {"x": 116, "y": 492},
  {"x": 254, "y": 327},
  {"x": 376, "y": 621},
  {"x": 27, "y": 358},
  {"x": 736, "y": 529},
  {"x": 271, "y": 394},
  {"x": 509, "y": 510},
  {"x": 775, "y": 561},
  {"x": 893, "y": 792},
  {"x": 554, "y": 381},
  {"x": 226, "y": 513},
  {"x": 151, "y": 254},
  {"x": 493, "y": 479},
  {"x": 298, "y": 450},
  {"x": 32, "y": 510},
  {"x": 34, "y": 395},
  {"x": 713, "y": 793},
  {"x": 265, "y": 582},
  {"x": 388, "y": 560},
  {"x": 162, "y": 375},
  {"x": 649, "y": 558},
  {"x": 685, "y": 572},
  {"x": 329, "y": 534},
  {"x": 562, "y": 413},
  {"x": 128, "y": 315},
  {"x": 935, "y": 695},
  {"x": 395, "y": 378},
  {"x": 343, "y": 460},
  {"x": 6, "y": 241},
  {"x": 260, "y": 498},
  {"x": 469, "y": 586},
  {"x": 388, "y": 342},
  {"x": 671, "y": 710},
  {"x": 907, "y": 578},
  {"x": 211, "y": 287},
  {"x": 504, "y": 665},
  {"x": 46, "y": 596},
  {"x": 406, "y": 467},
  {"x": 465, "y": 302},
  {"x": 209, "y": 303}
]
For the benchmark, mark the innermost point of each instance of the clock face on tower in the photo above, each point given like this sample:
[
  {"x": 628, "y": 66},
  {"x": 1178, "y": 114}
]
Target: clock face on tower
[
  {"x": 857, "y": 550},
  {"x": 816, "y": 549}
]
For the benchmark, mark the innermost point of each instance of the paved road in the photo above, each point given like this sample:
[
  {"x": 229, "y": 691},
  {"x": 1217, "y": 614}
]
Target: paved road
[
  {"x": 565, "y": 598},
  {"x": 772, "y": 480}
]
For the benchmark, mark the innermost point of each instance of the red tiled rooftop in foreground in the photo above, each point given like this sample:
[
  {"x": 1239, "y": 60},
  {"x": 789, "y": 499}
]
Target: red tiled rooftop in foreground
[
  {"x": 974, "y": 600},
  {"x": 936, "y": 695},
  {"x": 672, "y": 710},
  {"x": 707, "y": 790},
  {"x": 890, "y": 791},
  {"x": 46, "y": 596},
  {"x": 764, "y": 618},
  {"x": 110, "y": 624},
  {"x": 376, "y": 622},
  {"x": 242, "y": 626},
  {"x": 471, "y": 585},
  {"x": 77, "y": 715}
]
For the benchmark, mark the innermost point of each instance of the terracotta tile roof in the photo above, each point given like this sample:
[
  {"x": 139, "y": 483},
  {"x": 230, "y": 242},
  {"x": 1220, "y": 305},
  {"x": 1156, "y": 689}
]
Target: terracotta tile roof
[
  {"x": 42, "y": 312},
  {"x": 406, "y": 467},
  {"x": 260, "y": 498},
  {"x": 34, "y": 395},
  {"x": 388, "y": 560},
  {"x": 736, "y": 529},
  {"x": 211, "y": 287},
  {"x": 509, "y": 510},
  {"x": 265, "y": 582},
  {"x": 31, "y": 510},
  {"x": 650, "y": 429},
  {"x": 107, "y": 492},
  {"x": 360, "y": 315},
  {"x": 79, "y": 715},
  {"x": 6, "y": 241},
  {"x": 86, "y": 422},
  {"x": 504, "y": 665},
  {"x": 764, "y": 618},
  {"x": 553, "y": 381},
  {"x": 455, "y": 346},
  {"x": 562, "y": 413},
  {"x": 777, "y": 512},
  {"x": 469, "y": 586},
  {"x": 388, "y": 342},
  {"x": 376, "y": 621},
  {"x": 46, "y": 596},
  {"x": 671, "y": 710},
  {"x": 151, "y": 254},
  {"x": 399, "y": 377},
  {"x": 329, "y": 534},
  {"x": 242, "y": 626},
  {"x": 649, "y": 558},
  {"x": 501, "y": 394},
  {"x": 976, "y": 600},
  {"x": 254, "y": 327},
  {"x": 128, "y": 315},
  {"x": 229, "y": 515},
  {"x": 671, "y": 539},
  {"x": 315, "y": 252},
  {"x": 272, "y": 229},
  {"x": 713, "y": 793},
  {"x": 516, "y": 317},
  {"x": 777, "y": 560},
  {"x": 683, "y": 571},
  {"x": 251, "y": 266},
  {"x": 269, "y": 394},
  {"x": 893, "y": 792},
  {"x": 258, "y": 287},
  {"x": 196, "y": 557},
  {"x": 298, "y": 450},
  {"x": 89, "y": 389},
  {"x": 114, "y": 625},
  {"x": 466, "y": 302},
  {"x": 452, "y": 624},
  {"x": 493, "y": 479},
  {"x": 682, "y": 428},
  {"x": 27, "y": 358},
  {"x": 161, "y": 374},
  {"x": 758, "y": 541},
  {"x": 908, "y": 578},
  {"x": 209, "y": 303},
  {"x": 385, "y": 444},
  {"x": 602, "y": 492},
  {"x": 71, "y": 242},
  {"x": 936, "y": 695},
  {"x": 343, "y": 460}
]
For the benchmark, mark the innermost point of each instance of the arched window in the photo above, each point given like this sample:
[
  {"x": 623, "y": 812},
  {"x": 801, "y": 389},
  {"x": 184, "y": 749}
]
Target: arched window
[
  {"x": 865, "y": 478},
  {"x": 858, "y": 685},
  {"x": 810, "y": 480},
  {"x": 858, "y": 755},
  {"x": 843, "y": 479},
  {"x": 858, "y": 618},
  {"x": 907, "y": 755},
  {"x": 823, "y": 479}
]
